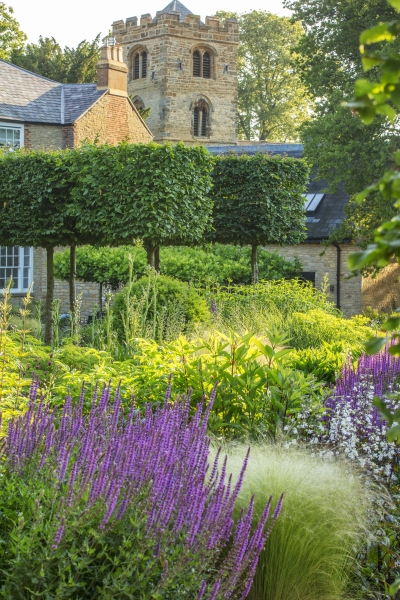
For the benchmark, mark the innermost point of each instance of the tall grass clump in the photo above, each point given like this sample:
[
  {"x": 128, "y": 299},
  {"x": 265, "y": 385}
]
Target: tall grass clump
[{"x": 309, "y": 554}]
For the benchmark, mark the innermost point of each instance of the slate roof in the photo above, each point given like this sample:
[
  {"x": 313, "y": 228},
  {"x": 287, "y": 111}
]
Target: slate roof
[
  {"x": 177, "y": 6},
  {"x": 30, "y": 98},
  {"x": 330, "y": 212}
]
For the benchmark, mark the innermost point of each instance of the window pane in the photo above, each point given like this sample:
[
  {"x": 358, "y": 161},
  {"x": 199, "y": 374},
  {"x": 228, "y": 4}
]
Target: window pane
[
  {"x": 10, "y": 137},
  {"x": 27, "y": 256},
  {"x": 26, "y": 278}
]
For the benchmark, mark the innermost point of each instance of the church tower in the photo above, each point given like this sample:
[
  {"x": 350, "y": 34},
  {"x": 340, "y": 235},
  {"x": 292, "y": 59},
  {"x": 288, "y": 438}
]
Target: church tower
[{"x": 185, "y": 72}]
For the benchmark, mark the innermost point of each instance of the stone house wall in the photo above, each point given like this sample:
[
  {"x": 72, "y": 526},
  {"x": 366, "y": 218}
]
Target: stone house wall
[
  {"x": 169, "y": 88},
  {"x": 43, "y": 137},
  {"x": 312, "y": 261},
  {"x": 382, "y": 292},
  {"x": 111, "y": 120}
]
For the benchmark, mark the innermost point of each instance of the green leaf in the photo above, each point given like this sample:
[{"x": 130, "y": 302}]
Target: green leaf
[
  {"x": 395, "y": 4},
  {"x": 379, "y": 33},
  {"x": 374, "y": 345}
]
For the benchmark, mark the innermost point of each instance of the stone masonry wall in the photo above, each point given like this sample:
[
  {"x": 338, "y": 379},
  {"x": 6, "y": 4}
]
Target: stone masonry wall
[
  {"x": 382, "y": 292},
  {"x": 309, "y": 256},
  {"x": 111, "y": 120},
  {"x": 61, "y": 288},
  {"x": 169, "y": 88},
  {"x": 43, "y": 137}
]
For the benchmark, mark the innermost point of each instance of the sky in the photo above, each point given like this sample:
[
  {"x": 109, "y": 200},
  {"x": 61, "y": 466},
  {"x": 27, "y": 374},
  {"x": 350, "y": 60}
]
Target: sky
[{"x": 72, "y": 21}]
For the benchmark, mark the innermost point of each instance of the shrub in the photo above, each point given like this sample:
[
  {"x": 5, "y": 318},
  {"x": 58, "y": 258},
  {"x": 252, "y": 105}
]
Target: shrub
[
  {"x": 120, "y": 504},
  {"x": 208, "y": 265},
  {"x": 314, "y": 327},
  {"x": 310, "y": 551},
  {"x": 325, "y": 362},
  {"x": 162, "y": 297}
]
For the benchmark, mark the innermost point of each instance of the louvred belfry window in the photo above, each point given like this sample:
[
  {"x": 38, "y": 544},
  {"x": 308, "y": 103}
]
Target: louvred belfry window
[
  {"x": 206, "y": 65},
  {"x": 136, "y": 66},
  {"x": 144, "y": 64},
  {"x": 196, "y": 64},
  {"x": 196, "y": 122},
  {"x": 204, "y": 122},
  {"x": 200, "y": 116}
]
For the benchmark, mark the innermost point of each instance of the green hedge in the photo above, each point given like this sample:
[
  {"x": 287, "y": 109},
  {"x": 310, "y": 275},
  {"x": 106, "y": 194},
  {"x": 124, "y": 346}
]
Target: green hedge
[{"x": 212, "y": 264}]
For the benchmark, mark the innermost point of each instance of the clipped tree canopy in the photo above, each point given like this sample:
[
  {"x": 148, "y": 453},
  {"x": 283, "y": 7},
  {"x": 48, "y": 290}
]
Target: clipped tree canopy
[
  {"x": 157, "y": 193},
  {"x": 35, "y": 189},
  {"x": 258, "y": 199}
]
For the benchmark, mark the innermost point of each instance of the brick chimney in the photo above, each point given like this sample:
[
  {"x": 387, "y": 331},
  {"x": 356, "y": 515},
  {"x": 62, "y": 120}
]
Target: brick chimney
[{"x": 112, "y": 71}]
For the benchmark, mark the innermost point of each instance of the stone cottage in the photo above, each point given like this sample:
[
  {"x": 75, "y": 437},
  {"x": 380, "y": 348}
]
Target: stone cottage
[{"x": 38, "y": 113}]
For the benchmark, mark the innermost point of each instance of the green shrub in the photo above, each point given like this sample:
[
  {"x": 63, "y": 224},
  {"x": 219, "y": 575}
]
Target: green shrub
[
  {"x": 325, "y": 363},
  {"x": 313, "y": 547},
  {"x": 314, "y": 327},
  {"x": 216, "y": 264},
  {"x": 160, "y": 298}
]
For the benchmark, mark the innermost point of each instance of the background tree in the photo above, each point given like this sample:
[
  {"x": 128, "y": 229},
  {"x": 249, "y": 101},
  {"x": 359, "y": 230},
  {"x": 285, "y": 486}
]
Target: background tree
[
  {"x": 71, "y": 65},
  {"x": 272, "y": 100},
  {"x": 336, "y": 143},
  {"x": 11, "y": 37},
  {"x": 258, "y": 200}
]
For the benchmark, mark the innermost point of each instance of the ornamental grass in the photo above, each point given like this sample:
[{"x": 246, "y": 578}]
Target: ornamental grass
[
  {"x": 311, "y": 551},
  {"x": 122, "y": 504}
]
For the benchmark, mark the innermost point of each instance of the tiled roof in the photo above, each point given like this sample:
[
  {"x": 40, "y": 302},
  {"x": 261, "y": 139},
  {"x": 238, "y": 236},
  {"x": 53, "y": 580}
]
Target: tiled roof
[
  {"x": 177, "y": 6},
  {"x": 30, "y": 98},
  {"x": 330, "y": 212}
]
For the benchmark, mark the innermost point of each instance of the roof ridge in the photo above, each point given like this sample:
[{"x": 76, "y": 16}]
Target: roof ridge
[
  {"x": 29, "y": 72},
  {"x": 176, "y": 5}
]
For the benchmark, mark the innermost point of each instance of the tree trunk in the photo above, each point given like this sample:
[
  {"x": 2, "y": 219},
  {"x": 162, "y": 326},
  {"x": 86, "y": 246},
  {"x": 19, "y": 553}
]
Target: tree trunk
[
  {"x": 100, "y": 297},
  {"x": 72, "y": 280},
  {"x": 157, "y": 259},
  {"x": 48, "y": 336},
  {"x": 254, "y": 263},
  {"x": 150, "y": 249}
]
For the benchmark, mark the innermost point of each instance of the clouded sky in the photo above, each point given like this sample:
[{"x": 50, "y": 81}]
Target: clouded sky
[{"x": 71, "y": 21}]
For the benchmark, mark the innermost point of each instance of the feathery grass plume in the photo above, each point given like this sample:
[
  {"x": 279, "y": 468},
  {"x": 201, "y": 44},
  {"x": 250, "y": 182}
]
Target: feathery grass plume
[
  {"x": 310, "y": 551},
  {"x": 122, "y": 480}
]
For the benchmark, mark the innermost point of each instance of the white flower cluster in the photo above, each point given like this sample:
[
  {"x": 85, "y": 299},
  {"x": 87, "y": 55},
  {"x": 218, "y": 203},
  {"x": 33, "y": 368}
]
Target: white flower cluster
[{"x": 351, "y": 426}]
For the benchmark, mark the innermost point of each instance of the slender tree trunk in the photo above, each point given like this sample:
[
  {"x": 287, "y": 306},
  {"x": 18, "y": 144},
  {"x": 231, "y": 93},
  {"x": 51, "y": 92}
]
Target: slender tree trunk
[
  {"x": 72, "y": 280},
  {"x": 100, "y": 297},
  {"x": 254, "y": 263},
  {"x": 48, "y": 336},
  {"x": 150, "y": 249},
  {"x": 157, "y": 259}
]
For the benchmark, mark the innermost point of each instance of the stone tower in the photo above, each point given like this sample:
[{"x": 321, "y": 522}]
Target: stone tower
[{"x": 185, "y": 72}]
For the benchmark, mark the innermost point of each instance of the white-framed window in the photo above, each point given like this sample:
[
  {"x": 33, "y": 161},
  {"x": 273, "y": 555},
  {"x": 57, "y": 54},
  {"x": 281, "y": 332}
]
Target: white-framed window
[
  {"x": 11, "y": 135},
  {"x": 16, "y": 262}
]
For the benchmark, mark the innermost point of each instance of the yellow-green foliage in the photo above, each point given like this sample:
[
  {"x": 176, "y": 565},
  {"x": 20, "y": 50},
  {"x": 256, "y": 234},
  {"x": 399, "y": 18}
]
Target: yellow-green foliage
[{"x": 310, "y": 329}]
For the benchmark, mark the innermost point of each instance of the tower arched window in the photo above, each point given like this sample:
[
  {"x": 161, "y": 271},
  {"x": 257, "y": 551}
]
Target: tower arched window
[
  {"x": 202, "y": 64},
  {"x": 139, "y": 64},
  {"x": 201, "y": 117}
]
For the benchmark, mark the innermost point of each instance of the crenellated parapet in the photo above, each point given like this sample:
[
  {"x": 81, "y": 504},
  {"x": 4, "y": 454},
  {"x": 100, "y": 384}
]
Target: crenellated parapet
[{"x": 170, "y": 22}]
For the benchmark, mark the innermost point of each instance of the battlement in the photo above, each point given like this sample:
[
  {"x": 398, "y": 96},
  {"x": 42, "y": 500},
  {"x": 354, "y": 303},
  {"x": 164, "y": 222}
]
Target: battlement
[{"x": 173, "y": 18}]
